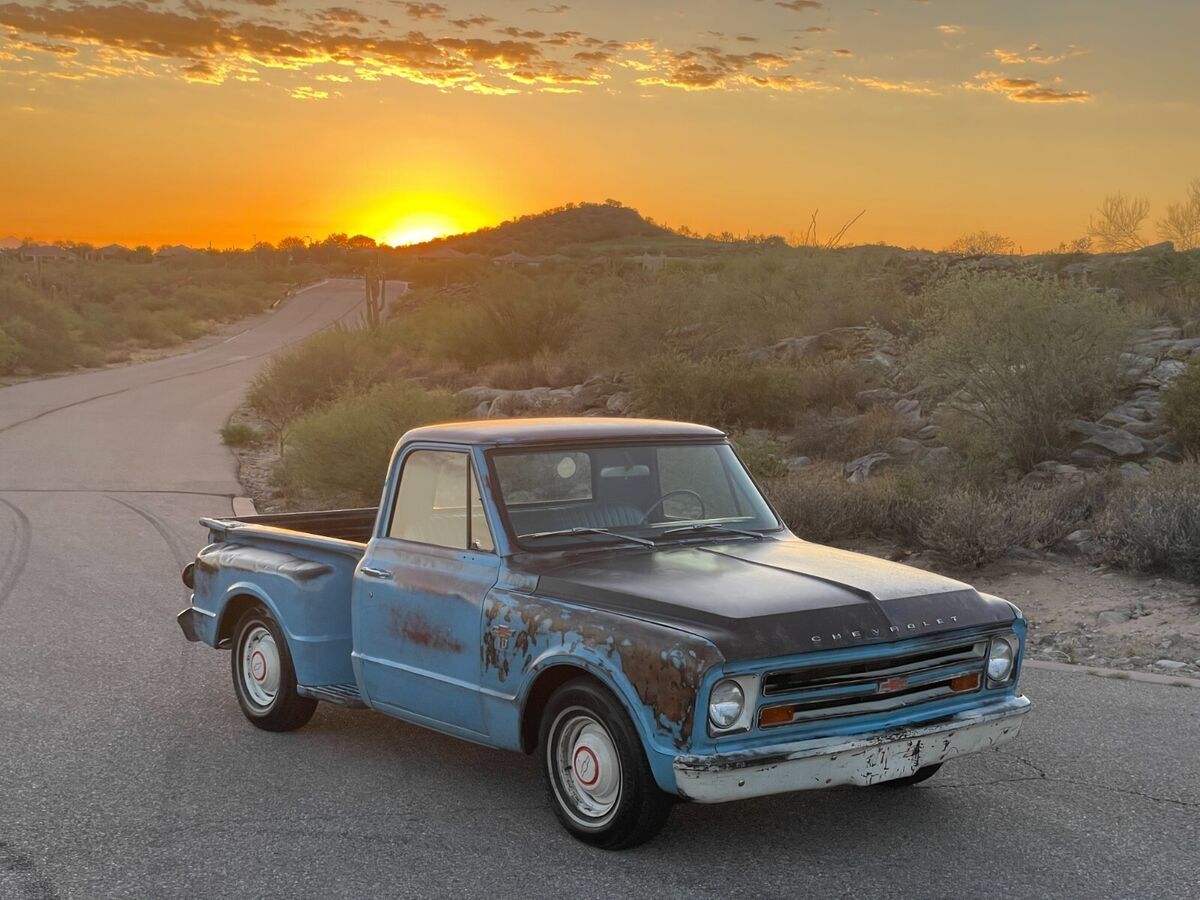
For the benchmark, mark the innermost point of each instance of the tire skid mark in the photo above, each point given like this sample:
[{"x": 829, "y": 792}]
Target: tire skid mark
[
  {"x": 14, "y": 564},
  {"x": 19, "y": 868},
  {"x": 174, "y": 545},
  {"x": 176, "y": 377}
]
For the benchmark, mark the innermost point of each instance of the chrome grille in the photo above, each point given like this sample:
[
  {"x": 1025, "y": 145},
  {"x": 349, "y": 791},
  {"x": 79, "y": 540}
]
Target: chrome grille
[{"x": 862, "y": 687}]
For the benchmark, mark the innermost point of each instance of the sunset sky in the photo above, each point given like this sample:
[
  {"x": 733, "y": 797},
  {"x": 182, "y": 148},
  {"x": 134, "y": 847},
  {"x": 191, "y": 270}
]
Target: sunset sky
[{"x": 224, "y": 121}]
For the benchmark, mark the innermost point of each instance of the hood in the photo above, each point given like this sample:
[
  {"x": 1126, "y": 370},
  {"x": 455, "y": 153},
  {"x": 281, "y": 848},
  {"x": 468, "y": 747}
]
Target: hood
[{"x": 757, "y": 599}]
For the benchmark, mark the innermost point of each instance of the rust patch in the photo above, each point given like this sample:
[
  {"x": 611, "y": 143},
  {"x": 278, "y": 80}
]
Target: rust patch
[
  {"x": 416, "y": 629},
  {"x": 666, "y": 673}
]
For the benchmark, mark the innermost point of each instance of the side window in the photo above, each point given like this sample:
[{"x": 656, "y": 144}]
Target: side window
[{"x": 431, "y": 503}]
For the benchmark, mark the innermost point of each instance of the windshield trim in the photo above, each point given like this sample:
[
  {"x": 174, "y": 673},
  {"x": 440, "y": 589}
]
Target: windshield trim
[{"x": 514, "y": 539}]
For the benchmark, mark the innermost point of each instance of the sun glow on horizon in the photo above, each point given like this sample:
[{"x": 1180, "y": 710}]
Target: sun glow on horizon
[{"x": 420, "y": 226}]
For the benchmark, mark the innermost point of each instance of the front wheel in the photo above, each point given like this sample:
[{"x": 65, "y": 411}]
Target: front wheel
[
  {"x": 263, "y": 677},
  {"x": 600, "y": 784}
]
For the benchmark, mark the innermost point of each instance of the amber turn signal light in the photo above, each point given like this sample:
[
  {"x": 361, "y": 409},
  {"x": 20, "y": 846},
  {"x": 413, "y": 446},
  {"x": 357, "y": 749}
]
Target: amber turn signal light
[
  {"x": 775, "y": 715},
  {"x": 968, "y": 682}
]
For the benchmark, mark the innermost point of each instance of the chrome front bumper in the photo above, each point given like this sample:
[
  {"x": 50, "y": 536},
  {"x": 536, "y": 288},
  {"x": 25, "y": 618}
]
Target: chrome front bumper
[{"x": 855, "y": 759}]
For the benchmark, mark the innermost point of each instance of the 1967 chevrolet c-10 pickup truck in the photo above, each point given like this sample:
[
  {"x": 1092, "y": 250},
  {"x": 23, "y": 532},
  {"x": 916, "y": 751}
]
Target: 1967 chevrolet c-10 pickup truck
[{"x": 616, "y": 596}]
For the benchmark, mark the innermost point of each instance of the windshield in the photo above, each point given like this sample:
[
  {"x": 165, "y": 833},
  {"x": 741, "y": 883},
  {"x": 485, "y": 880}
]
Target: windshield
[{"x": 567, "y": 497}]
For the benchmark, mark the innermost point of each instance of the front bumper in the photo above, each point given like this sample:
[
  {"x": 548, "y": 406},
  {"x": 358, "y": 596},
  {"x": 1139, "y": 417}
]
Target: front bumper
[
  {"x": 194, "y": 622},
  {"x": 849, "y": 759}
]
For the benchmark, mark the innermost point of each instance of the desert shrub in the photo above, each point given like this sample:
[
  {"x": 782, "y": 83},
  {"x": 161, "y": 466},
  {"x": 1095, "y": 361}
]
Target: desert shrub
[
  {"x": 834, "y": 437},
  {"x": 341, "y": 450},
  {"x": 10, "y": 352},
  {"x": 819, "y": 504},
  {"x": 42, "y": 330},
  {"x": 1153, "y": 525},
  {"x": 544, "y": 369},
  {"x": 726, "y": 391},
  {"x": 239, "y": 434},
  {"x": 316, "y": 372},
  {"x": 511, "y": 316},
  {"x": 763, "y": 457},
  {"x": 1020, "y": 354},
  {"x": 965, "y": 525},
  {"x": 1181, "y": 406}
]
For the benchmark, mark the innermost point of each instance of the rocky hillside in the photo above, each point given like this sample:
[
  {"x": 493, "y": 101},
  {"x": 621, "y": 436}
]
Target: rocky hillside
[{"x": 550, "y": 231}]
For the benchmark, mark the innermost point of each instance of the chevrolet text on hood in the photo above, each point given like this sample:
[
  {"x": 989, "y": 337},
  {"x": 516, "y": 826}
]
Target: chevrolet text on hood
[{"x": 616, "y": 597}]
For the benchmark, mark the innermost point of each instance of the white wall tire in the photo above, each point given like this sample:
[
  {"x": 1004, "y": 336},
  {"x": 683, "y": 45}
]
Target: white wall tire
[
  {"x": 263, "y": 677},
  {"x": 598, "y": 779}
]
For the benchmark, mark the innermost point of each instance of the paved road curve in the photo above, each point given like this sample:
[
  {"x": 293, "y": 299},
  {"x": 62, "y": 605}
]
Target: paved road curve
[{"x": 126, "y": 769}]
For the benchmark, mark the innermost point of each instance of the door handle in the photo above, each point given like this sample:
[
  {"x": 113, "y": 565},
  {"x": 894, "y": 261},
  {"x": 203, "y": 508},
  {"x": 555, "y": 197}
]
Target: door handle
[{"x": 376, "y": 573}]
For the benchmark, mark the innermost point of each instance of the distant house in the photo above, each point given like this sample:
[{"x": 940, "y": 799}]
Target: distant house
[
  {"x": 112, "y": 251},
  {"x": 32, "y": 252},
  {"x": 650, "y": 263},
  {"x": 441, "y": 253},
  {"x": 516, "y": 259},
  {"x": 177, "y": 252}
]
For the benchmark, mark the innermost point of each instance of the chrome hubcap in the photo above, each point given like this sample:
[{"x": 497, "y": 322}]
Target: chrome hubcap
[
  {"x": 587, "y": 767},
  {"x": 260, "y": 666}
]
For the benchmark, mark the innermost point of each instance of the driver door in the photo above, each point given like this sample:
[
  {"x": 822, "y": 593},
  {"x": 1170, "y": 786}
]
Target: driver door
[{"x": 418, "y": 595}]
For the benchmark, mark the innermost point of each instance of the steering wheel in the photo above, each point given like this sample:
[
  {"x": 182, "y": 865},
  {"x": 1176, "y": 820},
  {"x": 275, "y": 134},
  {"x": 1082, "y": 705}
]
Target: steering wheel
[{"x": 667, "y": 496}]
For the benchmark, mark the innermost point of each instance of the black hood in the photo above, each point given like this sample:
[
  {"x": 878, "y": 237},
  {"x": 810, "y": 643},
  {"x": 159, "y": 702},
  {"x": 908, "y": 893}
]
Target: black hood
[{"x": 770, "y": 598}]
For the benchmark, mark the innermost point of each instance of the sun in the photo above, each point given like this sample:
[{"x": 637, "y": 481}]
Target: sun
[{"x": 420, "y": 226}]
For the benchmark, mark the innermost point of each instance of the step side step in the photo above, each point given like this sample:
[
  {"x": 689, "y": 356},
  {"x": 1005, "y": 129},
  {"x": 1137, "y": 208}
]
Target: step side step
[{"x": 341, "y": 694}]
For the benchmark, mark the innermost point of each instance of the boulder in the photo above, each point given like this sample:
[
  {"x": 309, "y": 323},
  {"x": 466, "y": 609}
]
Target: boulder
[
  {"x": 1118, "y": 444},
  {"x": 1164, "y": 373},
  {"x": 928, "y": 433},
  {"x": 908, "y": 414},
  {"x": 1184, "y": 348},
  {"x": 594, "y": 392},
  {"x": 876, "y": 397},
  {"x": 480, "y": 393},
  {"x": 905, "y": 448},
  {"x": 619, "y": 403},
  {"x": 1131, "y": 471},
  {"x": 514, "y": 403},
  {"x": 797, "y": 462},
  {"x": 859, "y": 470},
  {"x": 935, "y": 459},
  {"x": 1113, "y": 617},
  {"x": 1089, "y": 458}
]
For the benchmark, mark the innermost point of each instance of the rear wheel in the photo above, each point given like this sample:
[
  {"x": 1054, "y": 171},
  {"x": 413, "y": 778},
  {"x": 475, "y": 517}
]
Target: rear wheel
[
  {"x": 915, "y": 778},
  {"x": 598, "y": 779},
  {"x": 263, "y": 677}
]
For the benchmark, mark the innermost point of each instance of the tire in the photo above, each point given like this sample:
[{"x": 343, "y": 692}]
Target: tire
[
  {"x": 597, "y": 777},
  {"x": 915, "y": 778},
  {"x": 263, "y": 676}
]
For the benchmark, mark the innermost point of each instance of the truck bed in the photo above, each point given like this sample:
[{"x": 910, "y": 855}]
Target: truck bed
[{"x": 355, "y": 525}]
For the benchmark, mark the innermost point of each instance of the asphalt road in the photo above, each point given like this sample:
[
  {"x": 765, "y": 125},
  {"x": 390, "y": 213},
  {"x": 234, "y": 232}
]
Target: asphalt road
[{"x": 126, "y": 769}]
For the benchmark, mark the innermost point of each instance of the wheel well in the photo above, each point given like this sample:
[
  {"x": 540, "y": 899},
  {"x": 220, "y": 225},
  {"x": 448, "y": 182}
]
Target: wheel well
[
  {"x": 234, "y": 610},
  {"x": 539, "y": 695}
]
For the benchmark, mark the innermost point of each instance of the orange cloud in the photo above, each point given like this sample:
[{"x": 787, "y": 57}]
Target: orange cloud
[
  {"x": 1025, "y": 90},
  {"x": 1035, "y": 55}
]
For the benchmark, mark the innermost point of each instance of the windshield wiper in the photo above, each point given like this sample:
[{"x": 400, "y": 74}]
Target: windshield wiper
[
  {"x": 571, "y": 532},
  {"x": 701, "y": 527}
]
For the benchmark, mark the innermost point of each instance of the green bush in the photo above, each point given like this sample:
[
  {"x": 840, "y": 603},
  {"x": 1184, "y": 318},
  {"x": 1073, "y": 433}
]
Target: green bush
[
  {"x": 726, "y": 391},
  {"x": 10, "y": 352},
  {"x": 1020, "y": 354},
  {"x": 818, "y": 504},
  {"x": 239, "y": 434},
  {"x": 510, "y": 316},
  {"x": 316, "y": 372},
  {"x": 1181, "y": 406},
  {"x": 1153, "y": 525},
  {"x": 341, "y": 451}
]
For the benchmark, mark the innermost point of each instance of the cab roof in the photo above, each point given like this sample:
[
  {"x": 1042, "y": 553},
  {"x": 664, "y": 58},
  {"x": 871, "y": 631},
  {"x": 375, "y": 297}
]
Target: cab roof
[{"x": 560, "y": 430}]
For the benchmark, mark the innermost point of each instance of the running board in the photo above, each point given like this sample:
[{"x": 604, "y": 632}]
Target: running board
[{"x": 341, "y": 694}]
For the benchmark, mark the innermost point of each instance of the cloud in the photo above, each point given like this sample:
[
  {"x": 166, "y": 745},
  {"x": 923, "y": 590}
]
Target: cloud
[
  {"x": 799, "y": 5},
  {"x": 900, "y": 87},
  {"x": 951, "y": 29},
  {"x": 213, "y": 42},
  {"x": 308, "y": 93},
  {"x": 1025, "y": 90},
  {"x": 423, "y": 10},
  {"x": 842, "y": 52},
  {"x": 553, "y": 9},
  {"x": 1034, "y": 55}
]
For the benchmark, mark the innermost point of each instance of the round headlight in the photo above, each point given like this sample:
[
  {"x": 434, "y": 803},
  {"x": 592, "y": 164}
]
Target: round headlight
[
  {"x": 1001, "y": 658},
  {"x": 725, "y": 703}
]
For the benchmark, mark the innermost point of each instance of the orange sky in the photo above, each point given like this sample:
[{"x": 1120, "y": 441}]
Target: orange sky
[{"x": 224, "y": 121}]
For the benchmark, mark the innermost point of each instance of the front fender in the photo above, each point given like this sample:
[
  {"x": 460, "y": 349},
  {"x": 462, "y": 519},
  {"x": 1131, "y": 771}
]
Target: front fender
[{"x": 654, "y": 669}]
